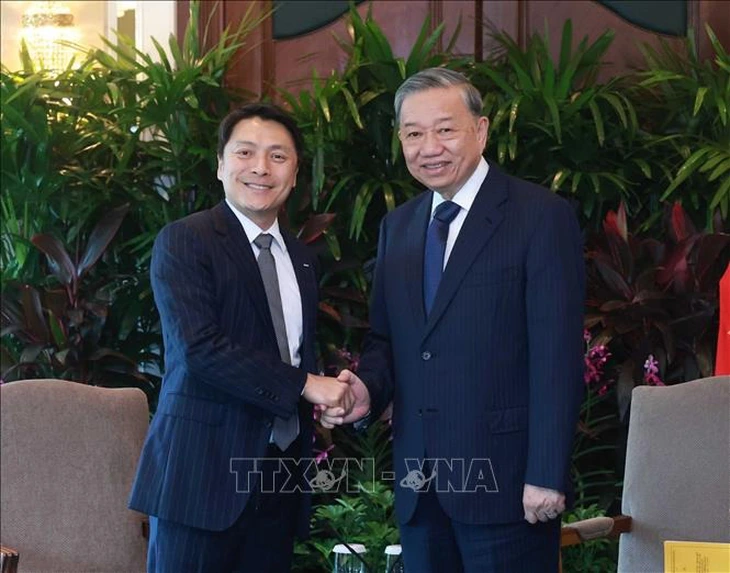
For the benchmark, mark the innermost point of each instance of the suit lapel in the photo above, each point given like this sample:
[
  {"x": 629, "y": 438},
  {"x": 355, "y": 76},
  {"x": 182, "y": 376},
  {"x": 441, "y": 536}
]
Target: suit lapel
[
  {"x": 415, "y": 244},
  {"x": 236, "y": 244},
  {"x": 484, "y": 217}
]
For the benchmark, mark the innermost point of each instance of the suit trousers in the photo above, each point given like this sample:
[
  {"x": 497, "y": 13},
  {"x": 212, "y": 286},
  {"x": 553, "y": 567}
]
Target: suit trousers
[
  {"x": 260, "y": 541},
  {"x": 434, "y": 543}
]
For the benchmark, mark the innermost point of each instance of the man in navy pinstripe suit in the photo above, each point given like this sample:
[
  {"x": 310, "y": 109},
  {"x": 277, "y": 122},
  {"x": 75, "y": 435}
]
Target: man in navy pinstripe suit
[
  {"x": 233, "y": 369},
  {"x": 476, "y": 338}
]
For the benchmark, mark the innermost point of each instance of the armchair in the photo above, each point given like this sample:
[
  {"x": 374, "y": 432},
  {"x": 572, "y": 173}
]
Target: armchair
[
  {"x": 69, "y": 453},
  {"x": 677, "y": 479}
]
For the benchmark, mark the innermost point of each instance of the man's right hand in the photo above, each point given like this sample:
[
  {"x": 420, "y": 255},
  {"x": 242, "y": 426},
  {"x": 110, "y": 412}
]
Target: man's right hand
[
  {"x": 329, "y": 392},
  {"x": 359, "y": 405}
]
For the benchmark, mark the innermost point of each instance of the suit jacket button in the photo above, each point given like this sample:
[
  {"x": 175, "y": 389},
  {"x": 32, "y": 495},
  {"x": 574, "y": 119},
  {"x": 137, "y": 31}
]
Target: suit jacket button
[
  {"x": 259, "y": 391},
  {"x": 426, "y": 355}
]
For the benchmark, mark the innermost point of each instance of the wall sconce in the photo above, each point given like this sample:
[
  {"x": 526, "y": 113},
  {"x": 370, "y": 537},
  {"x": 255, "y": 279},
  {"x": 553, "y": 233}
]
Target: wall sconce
[{"x": 45, "y": 25}]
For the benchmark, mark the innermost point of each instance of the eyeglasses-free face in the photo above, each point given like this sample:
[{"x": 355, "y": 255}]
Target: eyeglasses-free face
[
  {"x": 258, "y": 169},
  {"x": 442, "y": 141}
]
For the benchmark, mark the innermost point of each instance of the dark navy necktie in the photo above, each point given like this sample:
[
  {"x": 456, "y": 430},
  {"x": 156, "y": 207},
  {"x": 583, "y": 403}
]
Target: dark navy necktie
[{"x": 433, "y": 261}]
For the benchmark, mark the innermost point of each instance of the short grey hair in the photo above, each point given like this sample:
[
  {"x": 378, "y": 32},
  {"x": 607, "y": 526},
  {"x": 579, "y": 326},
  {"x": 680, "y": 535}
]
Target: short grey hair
[{"x": 438, "y": 78}]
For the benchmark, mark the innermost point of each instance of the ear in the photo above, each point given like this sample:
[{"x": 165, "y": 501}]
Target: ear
[
  {"x": 482, "y": 131},
  {"x": 219, "y": 173}
]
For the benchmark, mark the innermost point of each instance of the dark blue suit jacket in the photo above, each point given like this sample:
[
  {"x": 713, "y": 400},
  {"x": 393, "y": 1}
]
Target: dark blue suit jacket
[
  {"x": 492, "y": 380},
  {"x": 224, "y": 381}
]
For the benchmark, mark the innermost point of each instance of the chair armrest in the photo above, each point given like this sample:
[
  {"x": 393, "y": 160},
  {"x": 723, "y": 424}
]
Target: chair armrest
[
  {"x": 8, "y": 560},
  {"x": 594, "y": 528}
]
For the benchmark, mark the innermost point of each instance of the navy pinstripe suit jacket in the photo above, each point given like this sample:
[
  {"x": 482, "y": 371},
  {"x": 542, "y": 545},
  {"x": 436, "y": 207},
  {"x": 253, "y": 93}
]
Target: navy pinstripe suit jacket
[
  {"x": 224, "y": 381},
  {"x": 492, "y": 380}
]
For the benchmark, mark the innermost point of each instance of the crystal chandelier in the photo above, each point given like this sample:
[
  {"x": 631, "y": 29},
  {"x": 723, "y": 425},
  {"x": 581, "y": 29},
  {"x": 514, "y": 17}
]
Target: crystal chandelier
[{"x": 45, "y": 25}]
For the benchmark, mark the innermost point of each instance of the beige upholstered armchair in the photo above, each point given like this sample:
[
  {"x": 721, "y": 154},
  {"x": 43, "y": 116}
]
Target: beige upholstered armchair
[
  {"x": 69, "y": 453},
  {"x": 677, "y": 479}
]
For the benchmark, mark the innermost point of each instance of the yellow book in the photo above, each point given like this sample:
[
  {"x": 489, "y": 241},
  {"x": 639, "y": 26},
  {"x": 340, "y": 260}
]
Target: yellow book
[{"x": 696, "y": 557}]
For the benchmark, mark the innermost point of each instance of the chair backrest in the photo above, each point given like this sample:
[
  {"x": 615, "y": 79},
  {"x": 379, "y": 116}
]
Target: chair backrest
[
  {"x": 69, "y": 453},
  {"x": 677, "y": 481}
]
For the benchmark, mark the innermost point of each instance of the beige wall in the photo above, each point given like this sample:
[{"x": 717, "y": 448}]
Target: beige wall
[{"x": 155, "y": 18}]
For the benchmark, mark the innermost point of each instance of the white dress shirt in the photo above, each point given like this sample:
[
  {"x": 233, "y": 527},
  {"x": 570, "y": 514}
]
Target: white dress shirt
[
  {"x": 464, "y": 198},
  {"x": 291, "y": 299}
]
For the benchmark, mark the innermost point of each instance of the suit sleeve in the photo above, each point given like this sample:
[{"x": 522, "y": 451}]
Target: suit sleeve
[
  {"x": 376, "y": 363},
  {"x": 184, "y": 291},
  {"x": 555, "y": 297}
]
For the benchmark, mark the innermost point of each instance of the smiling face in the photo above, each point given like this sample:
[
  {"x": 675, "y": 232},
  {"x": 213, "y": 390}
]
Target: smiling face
[
  {"x": 258, "y": 169},
  {"x": 442, "y": 140}
]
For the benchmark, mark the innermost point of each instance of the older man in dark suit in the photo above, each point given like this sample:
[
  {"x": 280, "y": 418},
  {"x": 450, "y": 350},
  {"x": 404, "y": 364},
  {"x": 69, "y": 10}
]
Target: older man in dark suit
[
  {"x": 237, "y": 296},
  {"x": 476, "y": 337}
]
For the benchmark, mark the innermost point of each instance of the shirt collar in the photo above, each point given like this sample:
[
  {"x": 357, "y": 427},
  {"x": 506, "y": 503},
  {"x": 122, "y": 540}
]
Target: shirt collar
[
  {"x": 465, "y": 196},
  {"x": 252, "y": 230}
]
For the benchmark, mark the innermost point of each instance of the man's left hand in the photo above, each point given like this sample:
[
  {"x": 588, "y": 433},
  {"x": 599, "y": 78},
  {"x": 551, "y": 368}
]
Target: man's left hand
[{"x": 541, "y": 503}]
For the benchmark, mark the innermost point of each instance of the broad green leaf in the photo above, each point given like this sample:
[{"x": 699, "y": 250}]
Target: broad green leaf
[
  {"x": 595, "y": 182},
  {"x": 721, "y": 194},
  {"x": 687, "y": 168},
  {"x": 716, "y": 44},
  {"x": 555, "y": 117},
  {"x": 362, "y": 202},
  {"x": 701, "y": 92},
  {"x": 333, "y": 244},
  {"x": 57, "y": 333},
  {"x": 598, "y": 121},
  {"x": 615, "y": 102},
  {"x": 324, "y": 105},
  {"x": 353, "y": 108},
  {"x": 415, "y": 58},
  {"x": 337, "y": 188},
  {"x": 548, "y": 88},
  {"x": 497, "y": 78},
  {"x": 565, "y": 47},
  {"x": 576, "y": 181},
  {"x": 720, "y": 169},
  {"x": 722, "y": 109},
  {"x": 175, "y": 51},
  {"x": 514, "y": 109},
  {"x": 558, "y": 179},
  {"x": 388, "y": 196},
  {"x": 162, "y": 54},
  {"x": 501, "y": 151},
  {"x": 512, "y": 146},
  {"x": 711, "y": 163},
  {"x": 318, "y": 177}
]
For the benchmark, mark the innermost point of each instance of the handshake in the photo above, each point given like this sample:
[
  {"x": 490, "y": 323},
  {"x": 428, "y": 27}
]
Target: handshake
[{"x": 337, "y": 401}]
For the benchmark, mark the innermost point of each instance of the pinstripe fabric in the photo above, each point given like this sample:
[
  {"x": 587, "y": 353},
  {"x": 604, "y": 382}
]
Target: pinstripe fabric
[
  {"x": 433, "y": 543},
  {"x": 224, "y": 381},
  {"x": 493, "y": 376}
]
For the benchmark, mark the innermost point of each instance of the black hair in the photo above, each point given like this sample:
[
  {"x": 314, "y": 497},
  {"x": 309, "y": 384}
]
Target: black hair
[{"x": 265, "y": 111}]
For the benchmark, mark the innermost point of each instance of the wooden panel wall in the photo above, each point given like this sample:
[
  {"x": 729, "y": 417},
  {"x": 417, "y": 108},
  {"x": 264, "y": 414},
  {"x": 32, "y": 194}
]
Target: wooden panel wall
[{"x": 289, "y": 63}]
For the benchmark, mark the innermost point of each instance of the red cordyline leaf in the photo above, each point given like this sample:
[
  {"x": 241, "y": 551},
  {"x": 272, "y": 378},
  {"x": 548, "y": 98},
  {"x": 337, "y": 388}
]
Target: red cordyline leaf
[
  {"x": 101, "y": 236},
  {"x": 681, "y": 226},
  {"x": 58, "y": 258},
  {"x": 315, "y": 226},
  {"x": 615, "y": 223},
  {"x": 676, "y": 270}
]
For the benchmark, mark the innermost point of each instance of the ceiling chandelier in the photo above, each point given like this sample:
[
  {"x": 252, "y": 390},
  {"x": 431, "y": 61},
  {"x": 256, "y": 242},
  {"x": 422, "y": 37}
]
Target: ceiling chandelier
[{"x": 46, "y": 25}]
